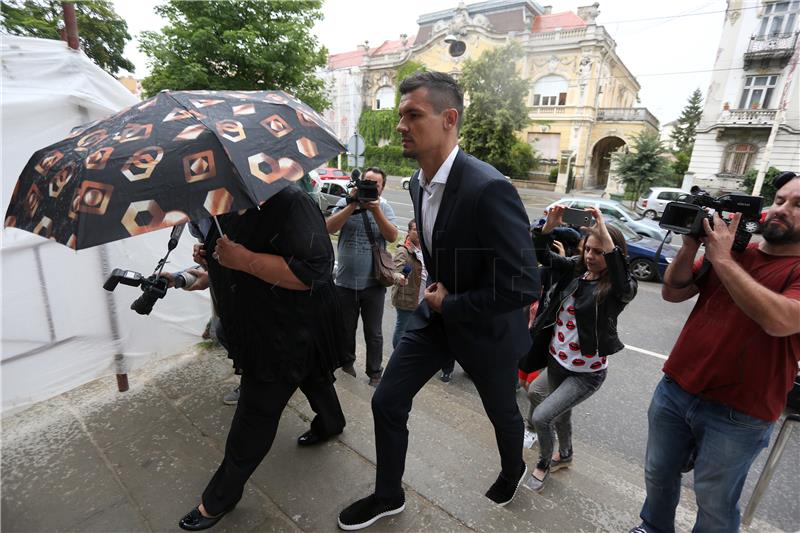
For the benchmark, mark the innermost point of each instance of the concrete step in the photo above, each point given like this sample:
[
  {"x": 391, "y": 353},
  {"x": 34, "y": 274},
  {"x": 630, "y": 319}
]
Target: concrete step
[{"x": 537, "y": 184}]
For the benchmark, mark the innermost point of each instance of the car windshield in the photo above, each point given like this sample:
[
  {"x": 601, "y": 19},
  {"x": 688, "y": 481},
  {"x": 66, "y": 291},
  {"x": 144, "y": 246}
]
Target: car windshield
[
  {"x": 627, "y": 232},
  {"x": 628, "y": 213}
]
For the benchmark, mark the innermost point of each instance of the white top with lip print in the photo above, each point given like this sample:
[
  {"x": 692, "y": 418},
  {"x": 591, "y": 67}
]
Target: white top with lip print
[{"x": 565, "y": 346}]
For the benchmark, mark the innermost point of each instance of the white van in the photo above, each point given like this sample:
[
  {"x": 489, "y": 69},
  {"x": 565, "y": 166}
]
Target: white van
[{"x": 653, "y": 200}]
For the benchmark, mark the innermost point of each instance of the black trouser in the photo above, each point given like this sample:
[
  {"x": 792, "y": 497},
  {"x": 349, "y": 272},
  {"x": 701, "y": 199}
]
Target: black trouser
[
  {"x": 253, "y": 429},
  {"x": 369, "y": 304},
  {"x": 419, "y": 356}
]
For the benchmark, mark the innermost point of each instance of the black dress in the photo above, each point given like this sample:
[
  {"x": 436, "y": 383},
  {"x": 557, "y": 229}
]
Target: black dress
[{"x": 278, "y": 334}]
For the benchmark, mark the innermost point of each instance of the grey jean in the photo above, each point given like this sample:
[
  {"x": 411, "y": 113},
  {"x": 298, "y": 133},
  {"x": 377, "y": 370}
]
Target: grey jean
[{"x": 555, "y": 411}]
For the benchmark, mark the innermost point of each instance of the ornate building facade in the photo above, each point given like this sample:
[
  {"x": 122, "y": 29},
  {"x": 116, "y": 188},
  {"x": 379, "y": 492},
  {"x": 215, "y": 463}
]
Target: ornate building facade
[
  {"x": 755, "y": 75},
  {"x": 581, "y": 98}
]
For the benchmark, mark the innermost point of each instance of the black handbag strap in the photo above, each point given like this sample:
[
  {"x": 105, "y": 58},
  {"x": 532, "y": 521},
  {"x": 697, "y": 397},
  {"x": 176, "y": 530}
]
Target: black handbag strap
[{"x": 368, "y": 227}]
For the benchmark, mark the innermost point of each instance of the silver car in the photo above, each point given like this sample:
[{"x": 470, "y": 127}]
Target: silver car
[
  {"x": 614, "y": 209},
  {"x": 330, "y": 193}
]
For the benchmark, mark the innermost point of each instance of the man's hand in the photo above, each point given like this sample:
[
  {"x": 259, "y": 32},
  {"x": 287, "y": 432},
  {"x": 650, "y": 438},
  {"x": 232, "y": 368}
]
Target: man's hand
[
  {"x": 200, "y": 283},
  {"x": 400, "y": 279},
  {"x": 719, "y": 239},
  {"x": 434, "y": 295},
  {"x": 232, "y": 255},
  {"x": 199, "y": 255},
  {"x": 372, "y": 206}
]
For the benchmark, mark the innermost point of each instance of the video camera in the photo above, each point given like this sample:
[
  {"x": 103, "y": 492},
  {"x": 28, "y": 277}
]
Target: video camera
[
  {"x": 685, "y": 216},
  {"x": 367, "y": 190},
  {"x": 154, "y": 286}
]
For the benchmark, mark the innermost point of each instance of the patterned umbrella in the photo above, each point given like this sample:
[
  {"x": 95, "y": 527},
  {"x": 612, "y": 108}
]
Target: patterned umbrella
[{"x": 177, "y": 156}]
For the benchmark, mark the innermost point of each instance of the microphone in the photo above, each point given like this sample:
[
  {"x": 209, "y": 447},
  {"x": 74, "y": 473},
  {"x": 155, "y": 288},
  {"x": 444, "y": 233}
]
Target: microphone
[{"x": 406, "y": 271}]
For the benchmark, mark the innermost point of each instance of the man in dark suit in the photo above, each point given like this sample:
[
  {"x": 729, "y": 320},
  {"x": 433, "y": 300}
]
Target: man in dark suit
[{"x": 482, "y": 273}]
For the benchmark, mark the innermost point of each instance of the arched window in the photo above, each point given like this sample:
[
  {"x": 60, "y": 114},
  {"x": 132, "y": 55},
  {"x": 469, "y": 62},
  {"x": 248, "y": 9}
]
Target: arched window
[
  {"x": 738, "y": 158},
  {"x": 550, "y": 90},
  {"x": 384, "y": 98}
]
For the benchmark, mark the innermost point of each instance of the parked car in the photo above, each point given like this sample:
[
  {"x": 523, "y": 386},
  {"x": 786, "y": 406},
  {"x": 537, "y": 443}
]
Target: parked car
[
  {"x": 652, "y": 202},
  {"x": 642, "y": 253},
  {"x": 757, "y": 227},
  {"x": 613, "y": 209},
  {"x": 331, "y": 173},
  {"x": 330, "y": 193}
]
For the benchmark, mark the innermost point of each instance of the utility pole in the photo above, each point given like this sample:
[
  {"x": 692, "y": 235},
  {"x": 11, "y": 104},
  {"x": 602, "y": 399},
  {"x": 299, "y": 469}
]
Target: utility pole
[
  {"x": 70, "y": 25},
  {"x": 778, "y": 120}
]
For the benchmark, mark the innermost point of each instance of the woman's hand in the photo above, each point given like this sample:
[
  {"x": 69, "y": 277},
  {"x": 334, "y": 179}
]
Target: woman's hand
[
  {"x": 559, "y": 248},
  {"x": 554, "y": 218},
  {"x": 199, "y": 255},
  {"x": 232, "y": 255},
  {"x": 602, "y": 231}
]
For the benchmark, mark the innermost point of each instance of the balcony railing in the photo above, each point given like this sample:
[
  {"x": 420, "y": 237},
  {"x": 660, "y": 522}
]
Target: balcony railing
[
  {"x": 565, "y": 112},
  {"x": 748, "y": 117},
  {"x": 765, "y": 47},
  {"x": 625, "y": 114}
]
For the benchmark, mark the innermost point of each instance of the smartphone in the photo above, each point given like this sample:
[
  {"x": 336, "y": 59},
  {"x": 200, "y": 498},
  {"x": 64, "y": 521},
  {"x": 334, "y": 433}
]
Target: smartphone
[{"x": 577, "y": 217}]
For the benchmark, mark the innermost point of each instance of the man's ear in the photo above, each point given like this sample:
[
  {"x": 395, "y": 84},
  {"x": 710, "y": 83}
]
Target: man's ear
[{"x": 450, "y": 118}]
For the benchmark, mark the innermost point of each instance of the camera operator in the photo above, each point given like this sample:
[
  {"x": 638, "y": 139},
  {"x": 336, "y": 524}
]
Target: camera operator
[
  {"x": 360, "y": 293},
  {"x": 726, "y": 379}
]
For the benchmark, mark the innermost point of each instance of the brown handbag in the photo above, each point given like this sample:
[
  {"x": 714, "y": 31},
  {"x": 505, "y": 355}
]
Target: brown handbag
[{"x": 382, "y": 263}]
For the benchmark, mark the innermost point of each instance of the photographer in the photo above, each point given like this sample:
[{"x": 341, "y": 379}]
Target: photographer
[
  {"x": 727, "y": 377},
  {"x": 360, "y": 293}
]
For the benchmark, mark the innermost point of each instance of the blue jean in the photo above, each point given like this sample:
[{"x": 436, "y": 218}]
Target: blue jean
[
  {"x": 726, "y": 442},
  {"x": 400, "y": 325}
]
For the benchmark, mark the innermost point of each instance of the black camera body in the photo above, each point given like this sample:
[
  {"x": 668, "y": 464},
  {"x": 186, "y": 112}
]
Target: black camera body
[
  {"x": 686, "y": 216},
  {"x": 367, "y": 190},
  {"x": 153, "y": 288}
]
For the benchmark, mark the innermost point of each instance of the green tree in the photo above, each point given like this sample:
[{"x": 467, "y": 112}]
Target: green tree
[
  {"x": 239, "y": 45},
  {"x": 642, "y": 165},
  {"x": 685, "y": 130},
  {"x": 767, "y": 189},
  {"x": 102, "y": 33},
  {"x": 497, "y": 111}
]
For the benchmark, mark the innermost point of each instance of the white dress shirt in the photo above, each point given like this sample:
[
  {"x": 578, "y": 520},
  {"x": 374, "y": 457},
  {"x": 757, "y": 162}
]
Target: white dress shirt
[{"x": 432, "y": 193}]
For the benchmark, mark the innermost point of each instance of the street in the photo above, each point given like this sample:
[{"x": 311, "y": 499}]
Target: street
[{"x": 614, "y": 420}]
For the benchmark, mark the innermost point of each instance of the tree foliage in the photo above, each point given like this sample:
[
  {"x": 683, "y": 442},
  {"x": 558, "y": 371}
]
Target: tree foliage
[
  {"x": 238, "y": 45},
  {"x": 685, "y": 130},
  {"x": 377, "y": 125},
  {"x": 641, "y": 166},
  {"x": 101, "y": 32},
  {"x": 768, "y": 189},
  {"x": 497, "y": 111}
]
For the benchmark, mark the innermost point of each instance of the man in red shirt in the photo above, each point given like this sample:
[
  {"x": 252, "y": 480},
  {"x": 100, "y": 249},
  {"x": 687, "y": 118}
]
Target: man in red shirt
[{"x": 726, "y": 380}]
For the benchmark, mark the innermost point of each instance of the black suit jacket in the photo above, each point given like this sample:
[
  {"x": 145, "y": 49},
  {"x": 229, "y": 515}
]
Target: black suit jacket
[{"x": 483, "y": 254}]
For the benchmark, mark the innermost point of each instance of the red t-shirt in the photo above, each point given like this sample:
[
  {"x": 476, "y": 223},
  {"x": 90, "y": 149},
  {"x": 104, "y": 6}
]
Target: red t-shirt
[{"x": 726, "y": 357}]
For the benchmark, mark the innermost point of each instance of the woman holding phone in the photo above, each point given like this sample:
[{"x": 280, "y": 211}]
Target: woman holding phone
[{"x": 576, "y": 331}]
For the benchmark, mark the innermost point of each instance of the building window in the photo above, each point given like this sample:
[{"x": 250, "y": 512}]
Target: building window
[
  {"x": 757, "y": 92},
  {"x": 550, "y": 91},
  {"x": 546, "y": 145},
  {"x": 779, "y": 18},
  {"x": 738, "y": 158},
  {"x": 384, "y": 98}
]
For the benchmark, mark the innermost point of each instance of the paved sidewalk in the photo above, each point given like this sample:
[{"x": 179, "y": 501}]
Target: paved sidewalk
[{"x": 94, "y": 459}]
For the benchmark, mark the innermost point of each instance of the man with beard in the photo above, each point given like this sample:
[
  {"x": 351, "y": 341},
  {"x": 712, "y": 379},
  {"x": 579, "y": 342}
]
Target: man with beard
[{"x": 726, "y": 380}]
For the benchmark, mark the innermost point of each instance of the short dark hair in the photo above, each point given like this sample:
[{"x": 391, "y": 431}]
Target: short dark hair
[
  {"x": 783, "y": 178},
  {"x": 412, "y": 221},
  {"x": 443, "y": 91},
  {"x": 377, "y": 170}
]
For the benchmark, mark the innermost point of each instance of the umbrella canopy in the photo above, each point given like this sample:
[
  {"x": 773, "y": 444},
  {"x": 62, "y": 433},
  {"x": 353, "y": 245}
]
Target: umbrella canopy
[{"x": 177, "y": 156}]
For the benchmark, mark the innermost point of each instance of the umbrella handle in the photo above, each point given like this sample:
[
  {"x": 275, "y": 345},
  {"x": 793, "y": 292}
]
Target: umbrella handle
[{"x": 219, "y": 228}]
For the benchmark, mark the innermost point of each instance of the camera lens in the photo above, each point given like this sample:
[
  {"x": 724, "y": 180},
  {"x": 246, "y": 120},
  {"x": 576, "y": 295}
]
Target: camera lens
[{"x": 144, "y": 304}]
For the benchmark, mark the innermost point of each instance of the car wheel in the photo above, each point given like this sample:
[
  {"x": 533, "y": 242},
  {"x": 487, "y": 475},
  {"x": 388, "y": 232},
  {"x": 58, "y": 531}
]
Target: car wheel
[
  {"x": 751, "y": 226},
  {"x": 404, "y": 185},
  {"x": 643, "y": 269},
  {"x": 650, "y": 214}
]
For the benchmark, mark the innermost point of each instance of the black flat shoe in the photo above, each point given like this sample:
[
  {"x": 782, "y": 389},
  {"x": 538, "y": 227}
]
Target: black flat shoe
[
  {"x": 195, "y": 521},
  {"x": 309, "y": 438}
]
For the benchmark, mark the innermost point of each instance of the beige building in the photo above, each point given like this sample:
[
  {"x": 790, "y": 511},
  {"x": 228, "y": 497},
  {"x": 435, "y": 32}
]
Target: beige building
[{"x": 581, "y": 99}]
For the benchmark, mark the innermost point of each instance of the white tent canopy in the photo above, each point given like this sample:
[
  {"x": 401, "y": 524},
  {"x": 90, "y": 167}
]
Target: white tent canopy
[{"x": 60, "y": 328}]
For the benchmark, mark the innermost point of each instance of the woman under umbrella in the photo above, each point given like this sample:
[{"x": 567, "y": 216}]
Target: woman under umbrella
[{"x": 272, "y": 278}]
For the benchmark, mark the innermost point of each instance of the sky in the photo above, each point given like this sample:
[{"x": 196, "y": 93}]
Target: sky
[{"x": 668, "y": 46}]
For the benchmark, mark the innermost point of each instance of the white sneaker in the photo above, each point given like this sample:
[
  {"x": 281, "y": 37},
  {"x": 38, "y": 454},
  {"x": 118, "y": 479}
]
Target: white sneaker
[{"x": 529, "y": 439}]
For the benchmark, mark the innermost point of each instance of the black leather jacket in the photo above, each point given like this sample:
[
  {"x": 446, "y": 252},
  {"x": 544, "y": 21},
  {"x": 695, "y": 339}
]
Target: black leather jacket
[{"x": 596, "y": 320}]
